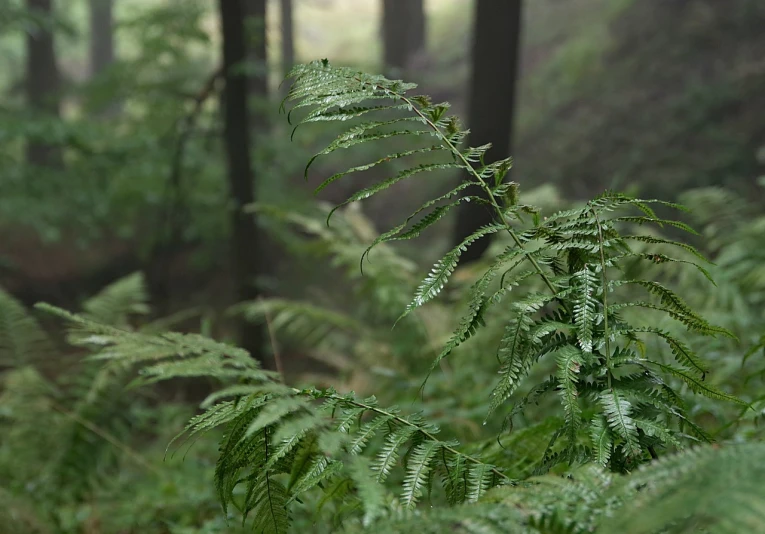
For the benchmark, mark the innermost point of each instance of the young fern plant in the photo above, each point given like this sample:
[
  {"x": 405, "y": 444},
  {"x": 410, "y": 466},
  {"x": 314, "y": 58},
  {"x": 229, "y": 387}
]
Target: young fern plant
[{"x": 619, "y": 401}]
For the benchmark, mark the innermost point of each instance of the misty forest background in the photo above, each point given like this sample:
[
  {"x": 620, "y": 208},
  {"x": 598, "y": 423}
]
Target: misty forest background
[{"x": 127, "y": 147}]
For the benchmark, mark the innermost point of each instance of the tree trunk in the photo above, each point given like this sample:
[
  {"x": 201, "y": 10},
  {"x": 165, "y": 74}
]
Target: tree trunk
[
  {"x": 255, "y": 43},
  {"x": 403, "y": 33},
  {"x": 396, "y": 24},
  {"x": 245, "y": 249},
  {"x": 288, "y": 37},
  {"x": 43, "y": 84},
  {"x": 496, "y": 44},
  {"x": 417, "y": 36},
  {"x": 101, "y": 35}
]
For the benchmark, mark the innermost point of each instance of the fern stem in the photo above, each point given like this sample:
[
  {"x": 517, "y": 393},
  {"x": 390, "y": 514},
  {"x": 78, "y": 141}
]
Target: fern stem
[
  {"x": 604, "y": 277},
  {"x": 428, "y": 435}
]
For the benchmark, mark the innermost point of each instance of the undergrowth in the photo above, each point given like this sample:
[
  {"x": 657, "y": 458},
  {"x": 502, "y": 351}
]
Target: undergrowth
[{"x": 562, "y": 289}]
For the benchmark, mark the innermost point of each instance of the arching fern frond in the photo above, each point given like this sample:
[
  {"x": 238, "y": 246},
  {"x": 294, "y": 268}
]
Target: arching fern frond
[
  {"x": 273, "y": 431},
  {"x": 118, "y": 301}
]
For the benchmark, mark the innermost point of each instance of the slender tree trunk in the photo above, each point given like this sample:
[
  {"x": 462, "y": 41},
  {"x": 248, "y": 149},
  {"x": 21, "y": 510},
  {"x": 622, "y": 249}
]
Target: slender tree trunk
[
  {"x": 43, "y": 84},
  {"x": 245, "y": 243},
  {"x": 288, "y": 36},
  {"x": 102, "y": 45},
  {"x": 396, "y": 22},
  {"x": 101, "y": 35},
  {"x": 496, "y": 44},
  {"x": 403, "y": 33},
  {"x": 417, "y": 27},
  {"x": 255, "y": 43}
]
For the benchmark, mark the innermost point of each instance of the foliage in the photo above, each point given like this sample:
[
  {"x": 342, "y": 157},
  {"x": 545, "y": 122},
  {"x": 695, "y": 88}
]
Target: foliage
[
  {"x": 680, "y": 493},
  {"x": 573, "y": 252},
  {"x": 294, "y": 454}
]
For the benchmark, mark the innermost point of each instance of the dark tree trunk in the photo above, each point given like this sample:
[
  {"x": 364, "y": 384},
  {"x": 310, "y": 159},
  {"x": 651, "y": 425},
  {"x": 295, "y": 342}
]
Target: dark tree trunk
[
  {"x": 43, "y": 84},
  {"x": 403, "y": 33},
  {"x": 395, "y": 34},
  {"x": 255, "y": 42},
  {"x": 496, "y": 43},
  {"x": 102, "y": 45},
  {"x": 417, "y": 36},
  {"x": 245, "y": 242},
  {"x": 288, "y": 36},
  {"x": 101, "y": 35}
]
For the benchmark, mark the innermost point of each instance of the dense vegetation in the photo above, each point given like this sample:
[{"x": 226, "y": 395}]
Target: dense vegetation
[
  {"x": 571, "y": 275},
  {"x": 598, "y": 369}
]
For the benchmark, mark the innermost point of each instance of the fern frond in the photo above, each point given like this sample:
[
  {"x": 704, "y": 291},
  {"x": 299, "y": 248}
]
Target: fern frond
[
  {"x": 385, "y": 184},
  {"x": 360, "y": 168},
  {"x": 514, "y": 354},
  {"x": 310, "y": 324},
  {"x": 320, "y": 470},
  {"x": 658, "y": 430},
  {"x": 388, "y": 455},
  {"x": 654, "y": 240},
  {"x": 478, "y": 481},
  {"x": 703, "y": 489},
  {"x": 585, "y": 306},
  {"x": 655, "y": 220},
  {"x": 421, "y": 225},
  {"x": 672, "y": 301},
  {"x": 443, "y": 269},
  {"x": 114, "y": 304},
  {"x": 266, "y": 503},
  {"x": 22, "y": 340},
  {"x": 366, "y": 432},
  {"x": 418, "y": 472},
  {"x": 477, "y": 306},
  {"x": 618, "y": 413},
  {"x": 697, "y": 384},
  {"x": 682, "y": 352},
  {"x": 602, "y": 440},
  {"x": 570, "y": 361},
  {"x": 371, "y": 494}
]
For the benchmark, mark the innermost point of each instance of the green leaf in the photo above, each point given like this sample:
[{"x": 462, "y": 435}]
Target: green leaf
[
  {"x": 479, "y": 480},
  {"x": 618, "y": 413},
  {"x": 443, "y": 269},
  {"x": 698, "y": 385},
  {"x": 367, "y": 166},
  {"x": 388, "y": 455},
  {"x": 418, "y": 472},
  {"x": 585, "y": 306},
  {"x": 570, "y": 361},
  {"x": 385, "y": 184},
  {"x": 602, "y": 440}
]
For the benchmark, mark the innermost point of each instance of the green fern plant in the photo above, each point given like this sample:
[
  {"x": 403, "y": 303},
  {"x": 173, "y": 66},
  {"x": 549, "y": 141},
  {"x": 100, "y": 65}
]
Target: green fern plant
[
  {"x": 281, "y": 442},
  {"x": 73, "y": 422},
  {"x": 618, "y": 404},
  {"x": 704, "y": 489},
  {"x": 616, "y": 399}
]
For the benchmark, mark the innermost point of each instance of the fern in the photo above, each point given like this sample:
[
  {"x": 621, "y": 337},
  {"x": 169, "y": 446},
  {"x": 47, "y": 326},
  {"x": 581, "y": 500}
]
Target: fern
[
  {"x": 22, "y": 339},
  {"x": 273, "y": 430},
  {"x": 620, "y": 406},
  {"x": 118, "y": 301},
  {"x": 574, "y": 254},
  {"x": 699, "y": 490}
]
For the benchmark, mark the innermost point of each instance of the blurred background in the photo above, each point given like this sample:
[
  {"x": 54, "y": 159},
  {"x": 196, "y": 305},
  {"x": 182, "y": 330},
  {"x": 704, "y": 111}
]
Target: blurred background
[{"x": 124, "y": 156}]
